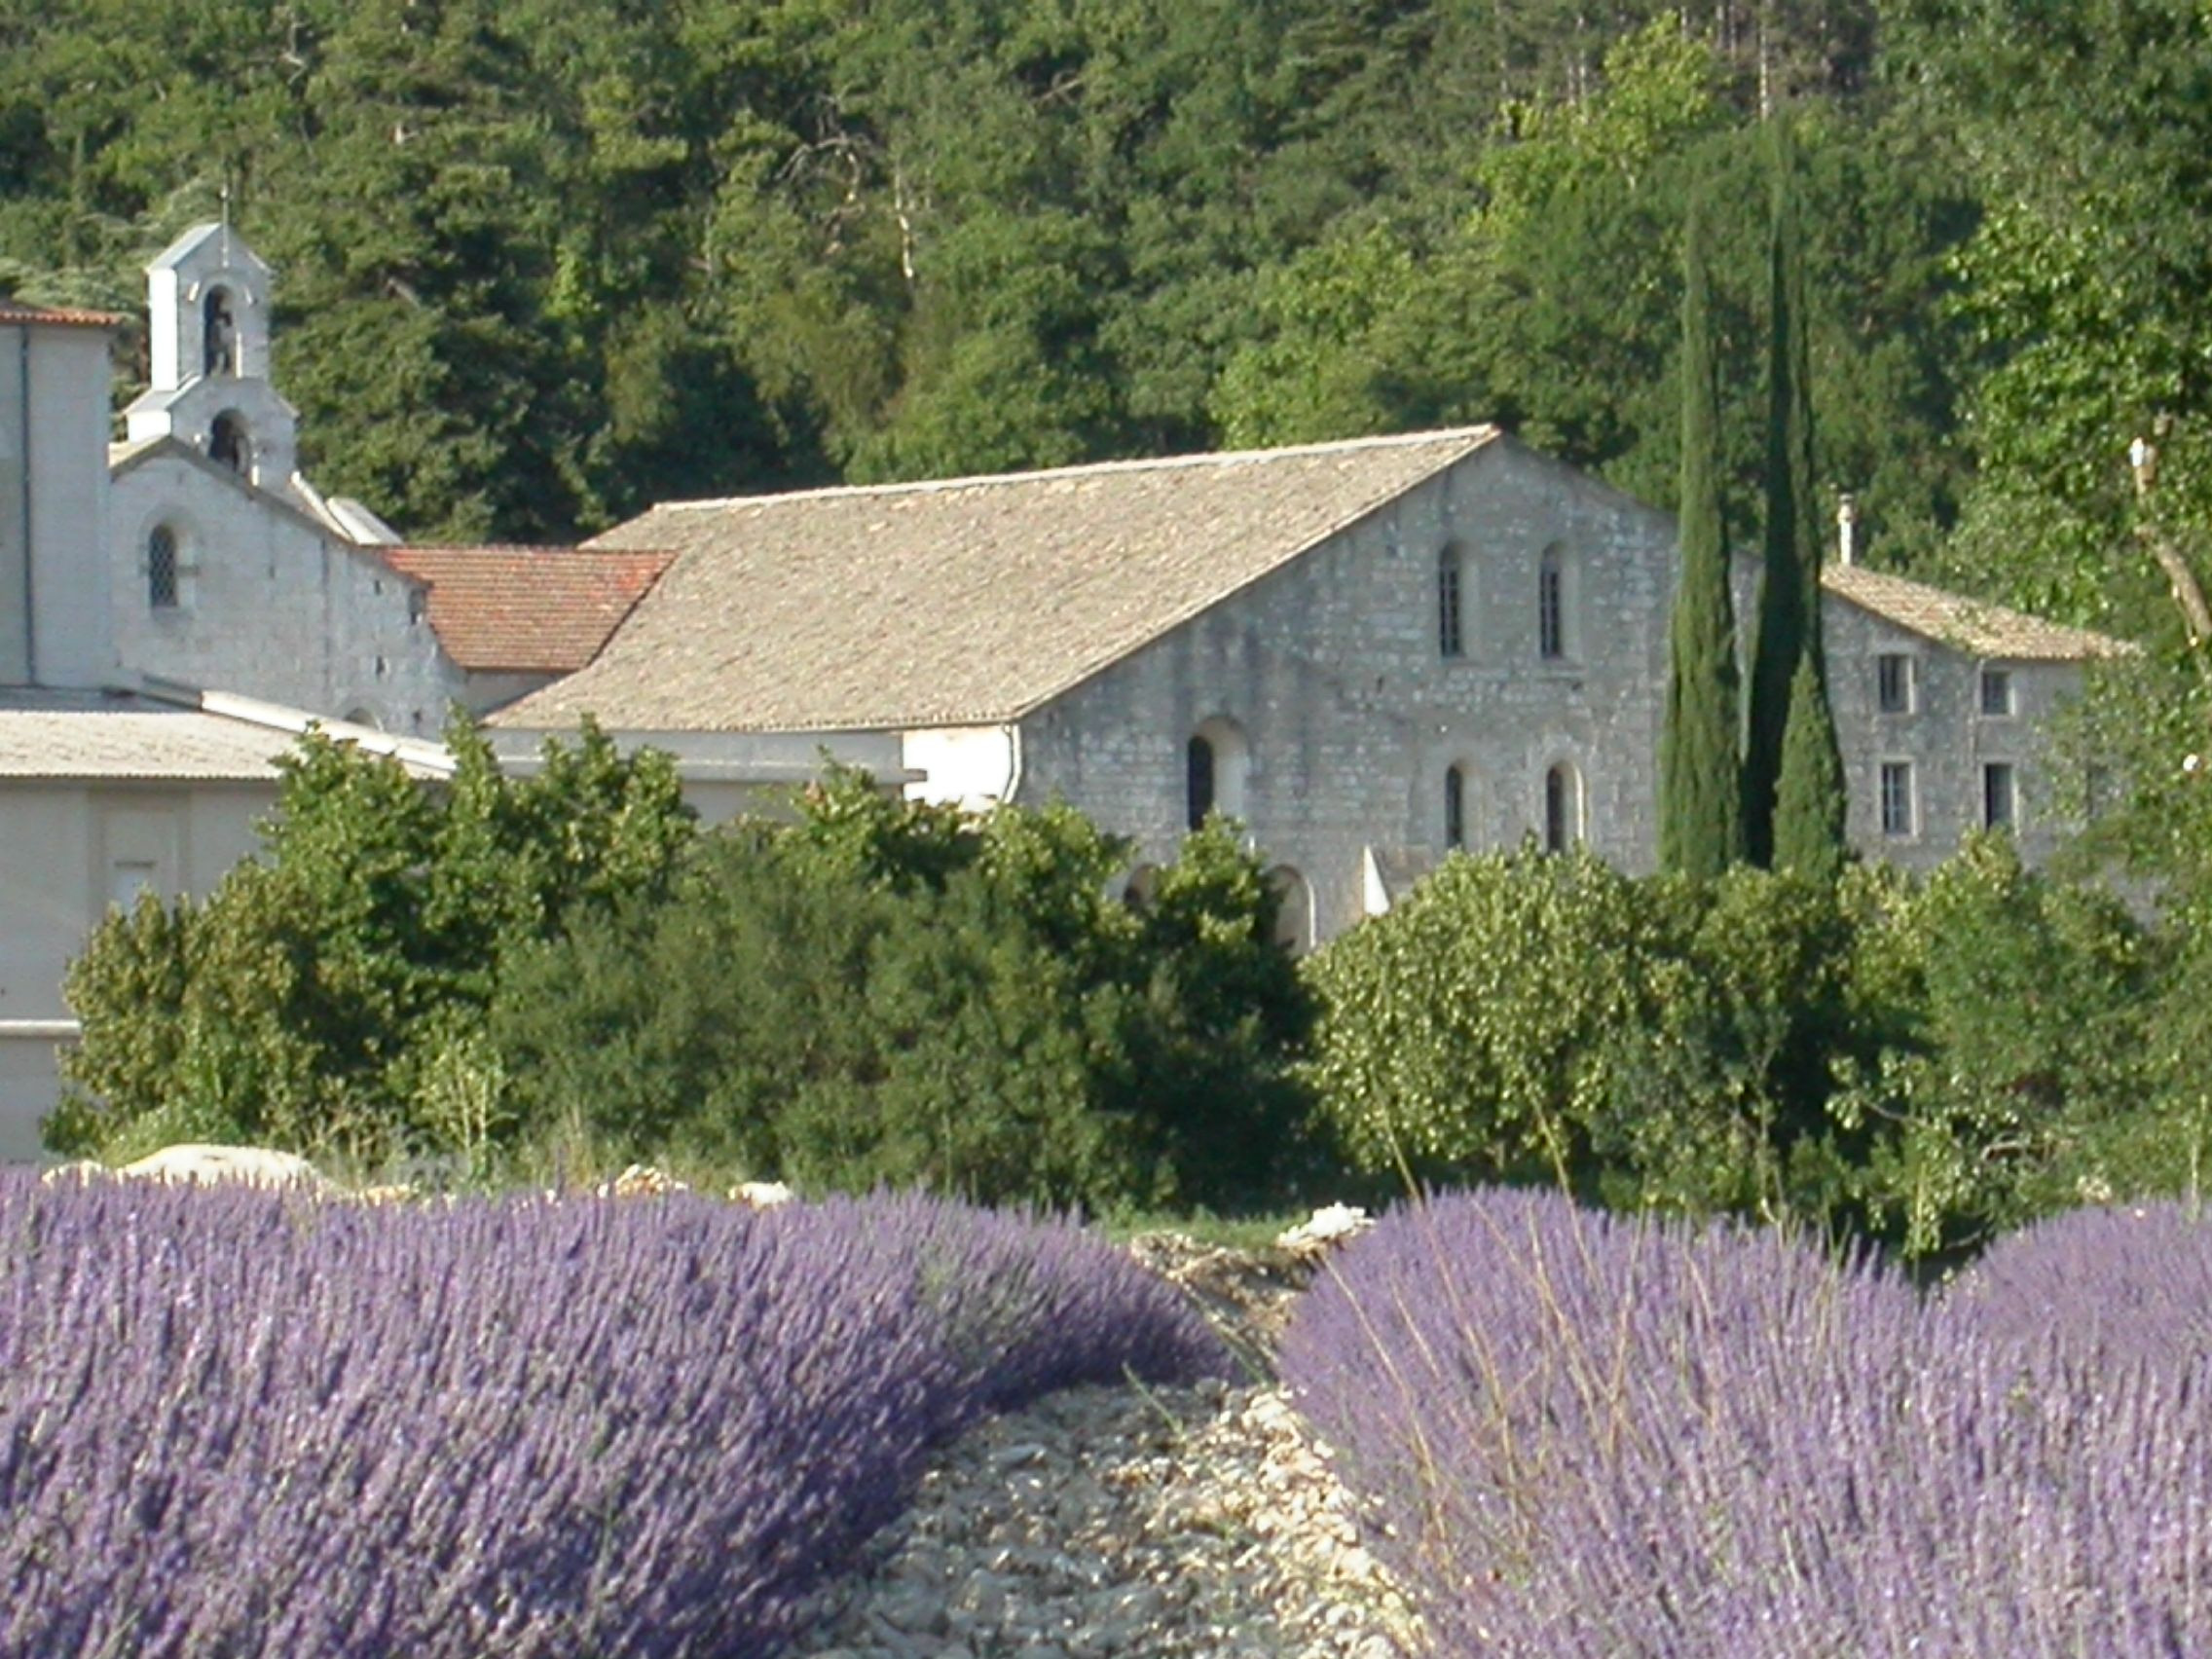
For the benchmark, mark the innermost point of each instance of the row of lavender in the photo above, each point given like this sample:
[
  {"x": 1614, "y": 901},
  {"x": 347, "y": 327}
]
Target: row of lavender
[
  {"x": 1596, "y": 1436},
  {"x": 235, "y": 1424}
]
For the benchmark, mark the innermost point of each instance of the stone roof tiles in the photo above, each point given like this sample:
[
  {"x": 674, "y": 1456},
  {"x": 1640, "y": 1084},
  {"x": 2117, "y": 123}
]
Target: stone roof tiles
[
  {"x": 207, "y": 737},
  {"x": 544, "y": 609},
  {"x": 959, "y": 602},
  {"x": 1972, "y": 625}
]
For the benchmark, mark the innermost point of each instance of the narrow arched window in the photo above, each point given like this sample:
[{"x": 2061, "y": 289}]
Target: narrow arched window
[
  {"x": 218, "y": 334},
  {"x": 1450, "y": 638},
  {"x": 229, "y": 444},
  {"x": 162, "y": 571},
  {"x": 1199, "y": 788},
  {"x": 1294, "y": 910},
  {"x": 1454, "y": 807},
  {"x": 1550, "y": 605},
  {"x": 1563, "y": 808}
]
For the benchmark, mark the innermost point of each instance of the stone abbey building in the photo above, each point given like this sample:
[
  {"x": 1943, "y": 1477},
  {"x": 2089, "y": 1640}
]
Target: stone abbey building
[{"x": 1370, "y": 652}]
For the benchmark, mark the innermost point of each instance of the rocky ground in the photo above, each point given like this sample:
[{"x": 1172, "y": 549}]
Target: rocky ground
[{"x": 1131, "y": 1523}]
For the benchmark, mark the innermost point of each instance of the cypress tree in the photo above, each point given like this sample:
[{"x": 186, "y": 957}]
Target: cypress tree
[
  {"x": 1790, "y": 588},
  {"x": 1701, "y": 825},
  {"x": 1807, "y": 797}
]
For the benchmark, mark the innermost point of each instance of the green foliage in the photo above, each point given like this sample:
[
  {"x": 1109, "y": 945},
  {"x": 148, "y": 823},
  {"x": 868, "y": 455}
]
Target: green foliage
[
  {"x": 1809, "y": 798},
  {"x": 889, "y": 991},
  {"x": 1701, "y": 825},
  {"x": 1790, "y": 576},
  {"x": 1465, "y": 1032},
  {"x": 2009, "y": 1015},
  {"x": 540, "y": 265},
  {"x": 1921, "y": 1061},
  {"x": 328, "y": 995}
]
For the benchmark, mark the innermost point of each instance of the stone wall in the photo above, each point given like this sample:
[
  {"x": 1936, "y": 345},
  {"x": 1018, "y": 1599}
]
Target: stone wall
[
  {"x": 270, "y": 604},
  {"x": 1332, "y": 674},
  {"x": 1946, "y": 738}
]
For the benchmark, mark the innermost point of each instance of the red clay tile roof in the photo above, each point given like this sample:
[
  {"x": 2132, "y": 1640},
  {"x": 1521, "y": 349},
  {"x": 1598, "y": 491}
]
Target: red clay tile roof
[
  {"x": 542, "y": 609},
  {"x": 12, "y": 312}
]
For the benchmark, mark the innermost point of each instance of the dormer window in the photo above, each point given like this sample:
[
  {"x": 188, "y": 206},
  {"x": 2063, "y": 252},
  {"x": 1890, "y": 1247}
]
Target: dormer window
[
  {"x": 218, "y": 335},
  {"x": 229, "y": 443}
]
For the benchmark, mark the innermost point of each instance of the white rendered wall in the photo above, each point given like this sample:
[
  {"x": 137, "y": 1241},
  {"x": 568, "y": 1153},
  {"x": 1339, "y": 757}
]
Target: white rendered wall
[
  {"x": 971, "y": 766},
  {"x": 64, "y": 848},
  {"x": 270, "y": 604}
]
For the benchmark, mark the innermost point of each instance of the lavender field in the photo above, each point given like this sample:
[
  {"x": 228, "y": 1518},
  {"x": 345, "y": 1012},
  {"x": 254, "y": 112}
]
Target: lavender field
[
  {"x": 1595, "y": 1436},
  {"x": 238, "y": 1424}
]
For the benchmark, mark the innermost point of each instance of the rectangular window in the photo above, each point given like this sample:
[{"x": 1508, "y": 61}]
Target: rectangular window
[
  {"x": 1996, "y": 691},
  {"x": 1896, "y": 798},
  {"x": 1551, "y": 610},
  {"x": 1998, "y": 805},
  {"x": 1893, "y": 683}
]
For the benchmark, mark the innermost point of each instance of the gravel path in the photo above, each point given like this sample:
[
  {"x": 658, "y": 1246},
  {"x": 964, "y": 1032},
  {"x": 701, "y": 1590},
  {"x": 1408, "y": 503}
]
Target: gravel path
[{"x": 1130, "y": 1522}]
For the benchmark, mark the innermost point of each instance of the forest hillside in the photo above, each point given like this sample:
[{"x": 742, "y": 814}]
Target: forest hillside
[{"x": 541, "y": 264}]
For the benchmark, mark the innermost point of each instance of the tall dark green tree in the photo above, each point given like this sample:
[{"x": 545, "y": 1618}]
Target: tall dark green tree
[
  {"x": 1701, "y": 822},
  {"x": 1790, "y": 588},
  {"x": 1807, "y": 797}
]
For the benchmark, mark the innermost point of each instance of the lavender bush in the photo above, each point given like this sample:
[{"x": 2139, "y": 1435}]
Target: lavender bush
[
  {"x": 233, "y": 1424},
  {"x": 2109, "y": 1288},
  {"x": 1595, "y": 1436}
]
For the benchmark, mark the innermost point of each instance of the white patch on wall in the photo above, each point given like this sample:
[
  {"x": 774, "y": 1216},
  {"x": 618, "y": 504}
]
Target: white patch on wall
[{"x": 976, "y": 767}]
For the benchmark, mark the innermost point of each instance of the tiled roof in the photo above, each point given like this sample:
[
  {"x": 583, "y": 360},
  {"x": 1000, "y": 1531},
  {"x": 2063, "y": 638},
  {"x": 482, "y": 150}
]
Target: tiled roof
[
  {"x": 545, "y": 609},
  {"x": 46, "y": 734},
  {"x": 1974, "y": 626},
  {"x": 12, "y": 312},
  {"x": 966, "y": 601}
]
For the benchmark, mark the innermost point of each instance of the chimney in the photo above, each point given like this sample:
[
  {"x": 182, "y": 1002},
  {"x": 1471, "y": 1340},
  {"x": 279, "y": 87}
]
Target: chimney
[{"x": 1846, "y": 529}]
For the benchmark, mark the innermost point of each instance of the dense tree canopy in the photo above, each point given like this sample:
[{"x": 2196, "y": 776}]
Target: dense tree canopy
[{"x": 542, "y": 264}]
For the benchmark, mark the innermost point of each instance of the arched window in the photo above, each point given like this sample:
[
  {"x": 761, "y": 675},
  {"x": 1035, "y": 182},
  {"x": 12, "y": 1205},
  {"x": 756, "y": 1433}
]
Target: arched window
[
  {"x": 1555, "y": 604},
  {"x": 1450, "y": 636},
  {"x": 1455, "y": 806},
  {"x": 1293, "y": 917},
  {"x": 229, "y": 443},
  {"x": 163, "y": 577},
  {"x": 1217, "y": 760},
  {"x": 1144, "y": 881},
  {"x": 1563, "y": 808},
  {"x": 218, "y": 334},
  {"x": 1199, "y": 787}
]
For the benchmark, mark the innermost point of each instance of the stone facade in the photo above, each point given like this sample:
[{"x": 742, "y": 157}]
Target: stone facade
[
  {"x": 1949, "y": 719},
  {"x": 228, "y": 568},
  {"x": 259, "y": 595},
  {"x": 1370, "y": 653},
  {"x": 1327, "y": 687}
]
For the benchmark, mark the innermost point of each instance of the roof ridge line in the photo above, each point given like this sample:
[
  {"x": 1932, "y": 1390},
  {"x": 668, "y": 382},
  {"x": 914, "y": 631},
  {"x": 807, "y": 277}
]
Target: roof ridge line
[{"x": 1474, "y": 434}]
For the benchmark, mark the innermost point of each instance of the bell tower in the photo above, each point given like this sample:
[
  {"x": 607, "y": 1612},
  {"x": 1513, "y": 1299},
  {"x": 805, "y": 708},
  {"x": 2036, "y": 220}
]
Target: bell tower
[{"x": 208, "y": 297}]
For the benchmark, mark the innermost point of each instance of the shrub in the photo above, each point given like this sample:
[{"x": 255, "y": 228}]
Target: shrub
[
  {"x": 1921, "y": 1061},
  {"x": 311, "y": 1000},
  {"x": 1523, "y": 1016},
  {"x": 1589, "y": 1435},
  {"x": 2105, "y": 1288},
  {"x": 234, "y": 1424},
  {"x": 2004, "y": 1044},
  {"x": 894, "y": 992}
]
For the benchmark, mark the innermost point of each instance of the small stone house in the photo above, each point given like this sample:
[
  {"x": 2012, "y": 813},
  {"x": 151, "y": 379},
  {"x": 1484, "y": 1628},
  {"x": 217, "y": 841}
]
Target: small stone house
[{"x": 1370, "y": 652}]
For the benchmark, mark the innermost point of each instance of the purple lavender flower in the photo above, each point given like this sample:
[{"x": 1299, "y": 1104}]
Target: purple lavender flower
[
  {"x": 1601, "y": 1436},
  {"x": 232, "y": 1424}
]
